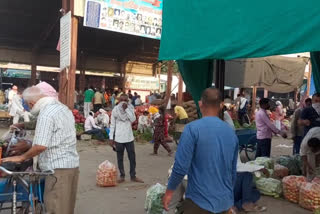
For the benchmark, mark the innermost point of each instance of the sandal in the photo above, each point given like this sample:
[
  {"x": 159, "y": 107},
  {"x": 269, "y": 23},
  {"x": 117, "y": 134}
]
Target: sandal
[{"x": 256, "y": 208}]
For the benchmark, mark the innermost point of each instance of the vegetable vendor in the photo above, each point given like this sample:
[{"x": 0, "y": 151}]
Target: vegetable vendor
[
  {"x": 265, "y": 128},
  {"x": 310, "y": 153},
  {"x": 181, "y": 115},
  {"x": 91, "y": 128}
]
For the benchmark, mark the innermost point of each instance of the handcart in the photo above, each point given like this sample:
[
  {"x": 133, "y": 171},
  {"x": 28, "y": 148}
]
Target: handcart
[
  {"x": 247, "y": 142},
  {"x": 22, "y": 192}
]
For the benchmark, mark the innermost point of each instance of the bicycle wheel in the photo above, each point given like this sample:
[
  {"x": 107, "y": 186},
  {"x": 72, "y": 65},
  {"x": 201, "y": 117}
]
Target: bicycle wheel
[{"x": 251, "y": 148}]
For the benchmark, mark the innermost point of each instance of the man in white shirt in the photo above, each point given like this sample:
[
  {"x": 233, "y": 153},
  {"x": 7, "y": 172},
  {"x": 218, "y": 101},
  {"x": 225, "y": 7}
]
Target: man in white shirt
[
  {"x": 121, "y": 136},
  {"x": 91, "y": 128},
  {"x": 11, "y": 94},
  {"x": 55, "y": 143},
  {"x": 310, "y": 153},
  {"x": 103, "y": 119},
  {"x": 143, "y": 123},
  {"x": 138, "y": 101}
]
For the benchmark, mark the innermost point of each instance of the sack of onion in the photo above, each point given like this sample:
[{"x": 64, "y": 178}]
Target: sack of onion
[
  {"x": 291, "y": 187},
  {"x": 106, "y": 174}
]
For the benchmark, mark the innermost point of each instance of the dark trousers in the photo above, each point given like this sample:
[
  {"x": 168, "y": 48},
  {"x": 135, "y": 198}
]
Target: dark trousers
[
  {"x": 96, "y": 132},
  {"x": 120, "y": 147},
  {"x": 243, "y": 118},
  {"x": 189, "y": 207},
  {"x": 157, "y": 144},
  {"x": 96, "y": 107},
  {"x": 245, "y": 191},
  {"x": 263, "y": 148},
  {"x": 297, "y": 144}
]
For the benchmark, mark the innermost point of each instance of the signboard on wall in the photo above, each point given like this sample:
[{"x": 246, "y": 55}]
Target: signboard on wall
[
  {"x": 142, "y": 83},
  {"x": 136, "y": 17},
  {"x": 65, "y": 41}
]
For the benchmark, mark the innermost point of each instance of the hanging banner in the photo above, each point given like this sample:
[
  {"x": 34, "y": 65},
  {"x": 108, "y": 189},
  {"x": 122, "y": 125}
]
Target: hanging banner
[
  {"x": 142, "y": 83},
  {"x": 136, "y": 17}
]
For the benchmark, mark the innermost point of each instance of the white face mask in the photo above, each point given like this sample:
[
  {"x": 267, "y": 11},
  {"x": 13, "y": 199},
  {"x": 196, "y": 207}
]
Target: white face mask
[{"x": 316, "y": 106}]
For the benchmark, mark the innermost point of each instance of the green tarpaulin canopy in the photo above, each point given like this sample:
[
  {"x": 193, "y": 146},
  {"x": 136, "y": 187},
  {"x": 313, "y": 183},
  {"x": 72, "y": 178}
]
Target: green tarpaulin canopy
[{"x": 215, "y": 29}]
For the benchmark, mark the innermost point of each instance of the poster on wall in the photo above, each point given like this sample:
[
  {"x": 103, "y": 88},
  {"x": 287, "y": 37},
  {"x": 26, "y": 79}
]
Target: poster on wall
[{"x": 136, "y": 17}]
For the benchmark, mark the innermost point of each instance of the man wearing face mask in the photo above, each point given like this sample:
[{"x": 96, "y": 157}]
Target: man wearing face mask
[
  {"x": 121, "y": 136},
  {"x": 55, "y": 143},
  {"x": 310, "y": 117},
  {"x": 265, "y": 128}
]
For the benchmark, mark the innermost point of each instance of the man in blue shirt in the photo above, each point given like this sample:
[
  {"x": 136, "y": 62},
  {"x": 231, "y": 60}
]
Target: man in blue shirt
[{"x": 207, "y": 153}]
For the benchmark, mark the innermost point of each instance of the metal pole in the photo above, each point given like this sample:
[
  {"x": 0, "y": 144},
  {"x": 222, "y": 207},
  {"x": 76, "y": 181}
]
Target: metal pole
[
  {"x": 220, "y": 76},
  {"x": 1, "y": 73}
]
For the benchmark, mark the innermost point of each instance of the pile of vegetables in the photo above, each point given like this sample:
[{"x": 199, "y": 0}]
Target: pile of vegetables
[
  {"x": 191, "y": 109},
  {"x": 142, "y": 137},
  {"x": 293, "y": 163},
  {"x": 310, "y": 196},
  {"x": 291, "y": 187},
  {"x": 79, "y": 118},
  {"x": 245, "y": 125},
  {"x": 79, "y": 128},
  {"x": 268, "y": 163},
  {"x": 153, "y": 203},
  {"x": 269, "y": 186},
  {"x": 280, "y": 171}
]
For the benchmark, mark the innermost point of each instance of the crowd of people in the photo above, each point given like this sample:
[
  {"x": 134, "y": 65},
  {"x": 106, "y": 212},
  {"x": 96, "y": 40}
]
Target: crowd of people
[{"x": 207, "y": 167}]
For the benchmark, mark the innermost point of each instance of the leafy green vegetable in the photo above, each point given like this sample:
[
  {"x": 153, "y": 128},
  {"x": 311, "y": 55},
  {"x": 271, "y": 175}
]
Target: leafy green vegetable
[
  {"x": 153, "y": 203},
  {"x": 264, "y": 161},
  {"x": 143, "y": 137},
  {"x": 269, "y": 186}
]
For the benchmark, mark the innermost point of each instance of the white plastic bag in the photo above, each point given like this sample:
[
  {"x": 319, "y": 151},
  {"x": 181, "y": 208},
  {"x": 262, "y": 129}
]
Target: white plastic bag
[{"x": 106, "y": 174}]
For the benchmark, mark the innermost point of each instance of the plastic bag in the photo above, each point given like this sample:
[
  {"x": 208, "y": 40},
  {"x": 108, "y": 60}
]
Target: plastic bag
[
  {"x": 280, "y": 171},
  {"x": 153, "y": 203},
  {"x": 310, "y": 196},
  {"x": 291, "y": 187},
  {"x": 106, "y": 174},
  {"x": 263, "y": 161},
  {"x": 294, "y": 164},
  {"x": 269, "y": 186}
]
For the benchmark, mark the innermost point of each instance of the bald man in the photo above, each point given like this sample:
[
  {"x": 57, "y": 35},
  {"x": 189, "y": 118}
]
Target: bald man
[{"x": 207, "y": 153}]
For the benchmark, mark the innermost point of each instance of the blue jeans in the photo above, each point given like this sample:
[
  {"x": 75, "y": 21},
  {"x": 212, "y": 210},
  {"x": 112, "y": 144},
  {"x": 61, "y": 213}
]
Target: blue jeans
[
  {"x": 263, "y": 148},
  {"x": 297, "y": 143},
  {"x": 244, "y": 191},
  {"x": 96, "y": 132}
]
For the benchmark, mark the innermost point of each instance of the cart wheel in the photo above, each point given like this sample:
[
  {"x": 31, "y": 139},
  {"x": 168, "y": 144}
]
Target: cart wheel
[{"x": 251, "y": 148}]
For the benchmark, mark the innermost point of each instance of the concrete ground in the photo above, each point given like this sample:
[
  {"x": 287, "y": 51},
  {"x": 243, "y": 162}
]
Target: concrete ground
[{"x": 129, "y": 197}]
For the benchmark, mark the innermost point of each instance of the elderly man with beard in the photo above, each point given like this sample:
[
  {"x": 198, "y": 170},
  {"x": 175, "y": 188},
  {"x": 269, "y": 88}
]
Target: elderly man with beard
[
  {"x": 55, "y": 143},
  {"x": 122, "y": 137}
]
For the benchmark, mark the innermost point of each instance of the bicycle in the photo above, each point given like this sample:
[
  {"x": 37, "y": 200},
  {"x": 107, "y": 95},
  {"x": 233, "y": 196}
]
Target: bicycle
[{"x": 27, "y": 188}]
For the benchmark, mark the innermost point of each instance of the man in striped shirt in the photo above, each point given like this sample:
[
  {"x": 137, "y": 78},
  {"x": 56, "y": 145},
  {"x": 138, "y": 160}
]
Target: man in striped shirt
[{"x": 55, "y": 143}]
